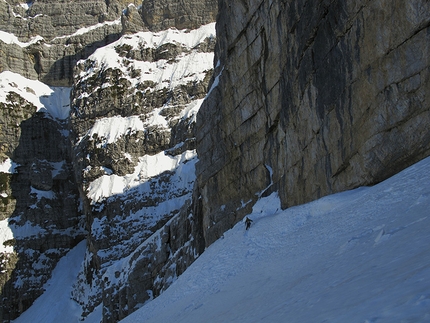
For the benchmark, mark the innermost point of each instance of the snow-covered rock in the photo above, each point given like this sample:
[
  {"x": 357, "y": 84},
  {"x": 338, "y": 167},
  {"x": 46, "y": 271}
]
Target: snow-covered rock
[{"x": 134, "y": 105}]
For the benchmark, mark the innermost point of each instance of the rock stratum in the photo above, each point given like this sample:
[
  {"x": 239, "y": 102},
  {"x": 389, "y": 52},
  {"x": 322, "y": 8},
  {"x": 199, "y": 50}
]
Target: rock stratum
[
  {"x": 139, "y": 128},
  {"x": 311, "y": 99}
]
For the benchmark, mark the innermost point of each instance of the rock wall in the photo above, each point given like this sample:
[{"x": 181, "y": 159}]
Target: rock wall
[
  {"x": 311, "y": 99},
  {"x": 182, "y": 14},
  {"x": 52, "y": 36}
]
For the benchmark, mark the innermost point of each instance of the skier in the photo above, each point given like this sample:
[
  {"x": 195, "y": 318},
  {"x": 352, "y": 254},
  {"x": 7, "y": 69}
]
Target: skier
[{"x": 248, "y": 222}]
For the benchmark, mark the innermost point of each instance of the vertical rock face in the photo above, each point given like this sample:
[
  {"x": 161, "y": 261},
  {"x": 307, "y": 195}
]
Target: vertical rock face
[
  {"x": 44, "y": 39},
  {"x": 311, "y": 99}
]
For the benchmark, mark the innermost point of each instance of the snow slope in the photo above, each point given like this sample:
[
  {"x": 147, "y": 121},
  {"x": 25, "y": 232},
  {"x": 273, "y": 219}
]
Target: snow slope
[
  {"x": 358, "y": 256},
  {"x": 55, "y": 304}
]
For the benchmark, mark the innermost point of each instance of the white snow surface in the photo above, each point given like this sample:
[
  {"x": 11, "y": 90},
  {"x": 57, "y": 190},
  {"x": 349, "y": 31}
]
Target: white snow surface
[
  {"x": 357, "y": 256},
  {"x": 8, "y": 166},
  {"x": 11, "y": 39},
  {"x": 147, "y": 167},
  {"x": 84, "y": 30},
  {"x": 53, "y": 100},
  {"x": 5, "y": 235}
]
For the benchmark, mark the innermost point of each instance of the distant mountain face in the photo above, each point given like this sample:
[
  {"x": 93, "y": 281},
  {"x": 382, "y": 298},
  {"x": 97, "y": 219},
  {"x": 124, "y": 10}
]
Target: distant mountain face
[
  {"x": 49, "y": 37},
  {"x": 106, "y": 152},
  {"x": 134, "y": 108}
]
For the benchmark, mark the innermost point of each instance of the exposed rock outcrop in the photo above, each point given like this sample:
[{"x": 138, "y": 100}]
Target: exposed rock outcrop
[
  {"x": 182, "y": 14},
  {"x": 311, "y": 99}
]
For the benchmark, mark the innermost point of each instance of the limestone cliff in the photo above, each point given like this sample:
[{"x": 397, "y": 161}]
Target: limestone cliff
[
  {"x": 47, "y": 38},
  {"x": 311, "y": 98}
]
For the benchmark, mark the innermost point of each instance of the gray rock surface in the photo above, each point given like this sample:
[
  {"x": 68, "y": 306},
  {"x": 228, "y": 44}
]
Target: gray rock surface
[
  {"x": 181, "y": 14},
  {"x": 61, "y": 41},
  {"x": 312, "y": 100}
]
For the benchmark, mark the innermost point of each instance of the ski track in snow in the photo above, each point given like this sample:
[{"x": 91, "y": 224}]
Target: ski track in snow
[{"x": 357, "y": 256}]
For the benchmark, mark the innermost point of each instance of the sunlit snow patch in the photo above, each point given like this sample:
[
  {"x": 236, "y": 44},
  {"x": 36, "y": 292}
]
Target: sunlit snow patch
[
  {"x": 148, "y": 166},
  {"x": 8, "y": 166},
  {"x": 53, "y": 100},
  {"x": 11, "y": 39}
]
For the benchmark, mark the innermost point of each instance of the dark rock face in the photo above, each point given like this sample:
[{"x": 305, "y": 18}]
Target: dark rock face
[{"x": 311, "y": 100}]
